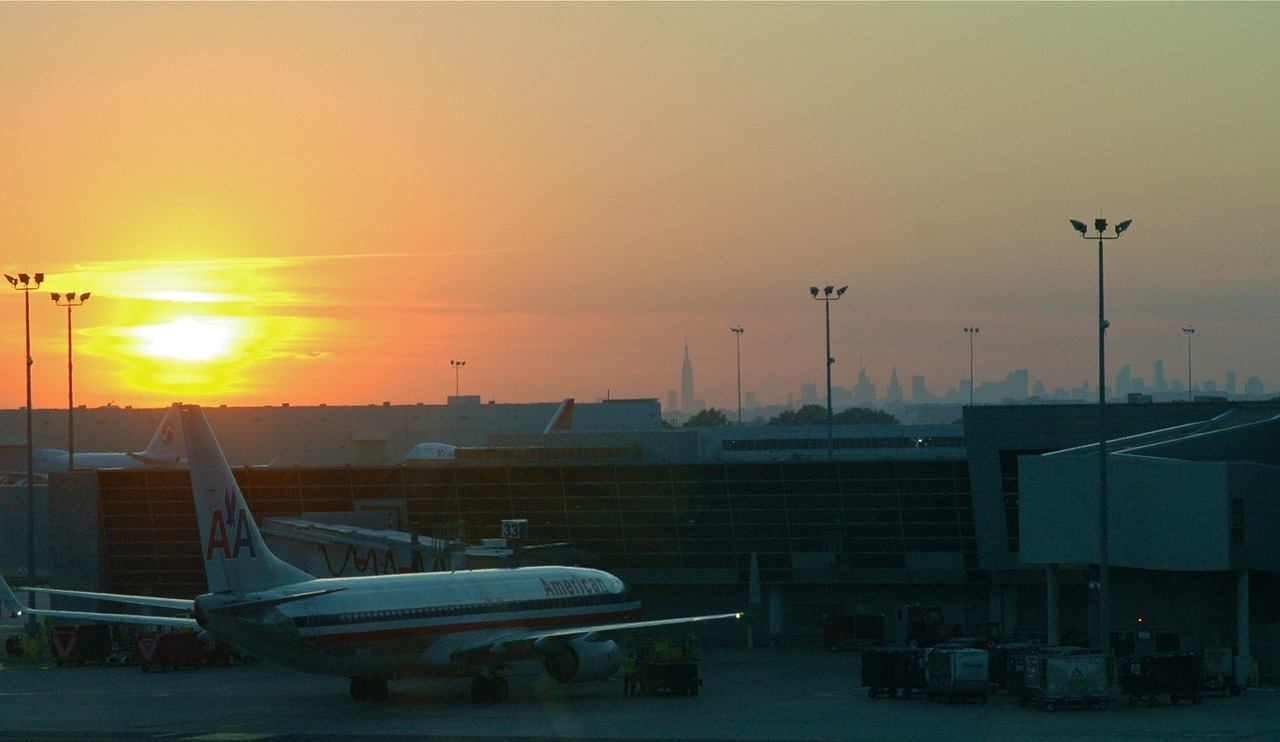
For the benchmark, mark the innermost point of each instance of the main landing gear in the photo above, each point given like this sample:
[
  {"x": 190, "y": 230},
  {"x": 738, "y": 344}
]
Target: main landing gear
[
  {"x": 492, "y": 688},
  {"x": 368, "y": 688}
]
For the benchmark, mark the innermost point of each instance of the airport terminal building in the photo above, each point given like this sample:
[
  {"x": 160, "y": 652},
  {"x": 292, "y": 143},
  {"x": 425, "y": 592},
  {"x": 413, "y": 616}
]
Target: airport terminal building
[{"x": 993, "y": 522}]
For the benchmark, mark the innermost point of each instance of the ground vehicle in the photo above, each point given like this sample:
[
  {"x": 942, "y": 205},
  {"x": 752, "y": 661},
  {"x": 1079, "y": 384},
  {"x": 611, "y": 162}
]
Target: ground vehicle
[
  {"x": 927, "y": 626},
  {"x": 668, "y": 666},
  {"x": 857, "y": 631}
]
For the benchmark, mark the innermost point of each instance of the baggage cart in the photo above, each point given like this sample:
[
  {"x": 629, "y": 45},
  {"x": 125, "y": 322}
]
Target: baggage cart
[
  {"x": 1052, "y": 680},
  {"x": 80, "y": 644},
  {"x": 1178, "y": 674},
  {"x": 909, "y": 673},
  {"x": 1006, "y": 663},
  {"x": 877, "y": 671},
  {"x": 170, "y": 651},
  {"x": 1220, "y": 671},
  {"x": 958, "y": 674},
  {"x": 888, "y": 670},
  {"x": 664, "y": 666}
]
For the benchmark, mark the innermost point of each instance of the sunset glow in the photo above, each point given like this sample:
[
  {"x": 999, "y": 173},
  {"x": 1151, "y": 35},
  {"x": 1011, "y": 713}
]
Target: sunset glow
[
  {"x": 326, "y": 202},
  {"x": 186, "y": 339}
]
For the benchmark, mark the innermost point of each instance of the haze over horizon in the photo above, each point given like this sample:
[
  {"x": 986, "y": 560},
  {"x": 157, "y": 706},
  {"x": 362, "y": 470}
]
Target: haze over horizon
[{"x": 327, "y": 202}]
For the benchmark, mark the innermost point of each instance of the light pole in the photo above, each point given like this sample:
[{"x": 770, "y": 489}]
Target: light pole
[
  {"x": 69, "y": 301},
  {"x": 1104, "y": 567},
  {"x": 826, "y": 298},
  {"x": 971, "y": 331},
  {"x": 457, "y": 366},
  {"x": 737, "y": 336},
  {"x": 26, "y": 284},
  {"x": 1189, "y": 331}
]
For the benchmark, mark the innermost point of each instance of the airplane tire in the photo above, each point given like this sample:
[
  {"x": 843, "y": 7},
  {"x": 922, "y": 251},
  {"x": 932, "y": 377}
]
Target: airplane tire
[
  {"x": 377, "y": 688},
  {"x": 360, "y": 689},
  {"x": 481, "y": 690}
]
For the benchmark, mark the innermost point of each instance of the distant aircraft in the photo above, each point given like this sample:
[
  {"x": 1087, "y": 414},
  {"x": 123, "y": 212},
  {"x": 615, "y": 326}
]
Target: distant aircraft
[
  {"x": 425, "y": 453},
  {"x": 377, "y": 628},
  {"x": 165, "y": 450}
]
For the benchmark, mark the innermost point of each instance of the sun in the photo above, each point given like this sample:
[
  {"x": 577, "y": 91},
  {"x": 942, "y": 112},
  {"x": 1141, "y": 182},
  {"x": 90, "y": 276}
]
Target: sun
[{"x": 187, "y": 339}]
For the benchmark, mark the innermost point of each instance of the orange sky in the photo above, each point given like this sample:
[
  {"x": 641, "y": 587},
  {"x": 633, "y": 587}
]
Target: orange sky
[{"x": 306, "y": 203}]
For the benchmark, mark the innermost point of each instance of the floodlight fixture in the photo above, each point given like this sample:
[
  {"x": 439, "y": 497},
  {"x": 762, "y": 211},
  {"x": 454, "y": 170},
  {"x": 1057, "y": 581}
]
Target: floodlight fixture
[
  {"x": 1122, "y": 226},
  {"x": 826, "y": 298},
  {"x": 1080, "y": 227}
]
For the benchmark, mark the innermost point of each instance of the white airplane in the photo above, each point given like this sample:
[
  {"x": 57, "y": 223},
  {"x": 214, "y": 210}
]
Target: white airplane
[
  {"x": 426, "y": 453},
  {"x": 377, "y": 628},
  {"x": 164, "y": 450}
]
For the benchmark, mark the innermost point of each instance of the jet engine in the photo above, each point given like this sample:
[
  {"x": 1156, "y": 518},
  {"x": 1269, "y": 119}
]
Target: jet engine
[{"x": 582, "y": 661}]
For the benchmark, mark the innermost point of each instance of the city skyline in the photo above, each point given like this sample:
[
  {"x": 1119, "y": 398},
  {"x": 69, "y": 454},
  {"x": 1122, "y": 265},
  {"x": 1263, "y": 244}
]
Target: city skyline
[
  {"x": 1017, "y": 385},
  {"x": 326, "y": 203}
]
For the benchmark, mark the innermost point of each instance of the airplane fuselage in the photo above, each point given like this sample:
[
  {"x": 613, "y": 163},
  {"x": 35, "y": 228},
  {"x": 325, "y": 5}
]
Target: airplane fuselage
[{"x": 413, "y": 624}]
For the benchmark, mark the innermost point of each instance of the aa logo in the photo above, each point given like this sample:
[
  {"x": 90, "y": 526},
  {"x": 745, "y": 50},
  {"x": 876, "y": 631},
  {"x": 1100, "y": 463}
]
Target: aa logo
[
  {"x": 229, "y": 530},
  {"x": 166, "y": 433}
]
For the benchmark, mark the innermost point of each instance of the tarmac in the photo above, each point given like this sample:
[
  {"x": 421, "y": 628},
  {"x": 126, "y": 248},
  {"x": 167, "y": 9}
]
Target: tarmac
[{"x": 798, "y": 693}]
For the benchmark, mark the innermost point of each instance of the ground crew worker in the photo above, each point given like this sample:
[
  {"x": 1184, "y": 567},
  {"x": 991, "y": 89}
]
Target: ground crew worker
[{"x": 629, "y": 675}]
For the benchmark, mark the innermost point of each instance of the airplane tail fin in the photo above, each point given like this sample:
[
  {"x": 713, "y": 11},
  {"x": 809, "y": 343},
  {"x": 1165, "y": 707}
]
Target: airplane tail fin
[
  {"x": 562, "y": 419},
  {"x": 235, "y": 558},
  {"x": 165, "y": 448}
]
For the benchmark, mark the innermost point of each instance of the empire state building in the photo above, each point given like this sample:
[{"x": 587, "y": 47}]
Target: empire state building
[{"x": 687, "y": 403}]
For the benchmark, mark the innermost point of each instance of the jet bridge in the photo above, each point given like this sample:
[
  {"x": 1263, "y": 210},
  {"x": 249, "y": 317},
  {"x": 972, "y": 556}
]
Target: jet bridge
[{"x": 340, "y": 550}]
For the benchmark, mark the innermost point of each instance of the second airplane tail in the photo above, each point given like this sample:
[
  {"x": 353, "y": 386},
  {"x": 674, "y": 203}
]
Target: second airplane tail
[{"x": 235, "y": 558}]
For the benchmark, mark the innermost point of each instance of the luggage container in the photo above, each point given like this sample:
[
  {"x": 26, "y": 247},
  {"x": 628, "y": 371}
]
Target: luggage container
[
  {"x": 958, "y": 673},
  {"x": 1006, "y": 661},
  {"x": 81, "y": 644},
  {"x": 1148, "y": 676},
  {"x": 1069, "y": 677},
  {"x": 1220, "y": 671},
  {"x": 666, "y": 666},
  {"x": 888, "y": 670},
  {"x": 170, "y": 651}
]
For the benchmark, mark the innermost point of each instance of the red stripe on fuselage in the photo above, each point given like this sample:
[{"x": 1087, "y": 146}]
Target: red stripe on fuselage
[{"x": 440, "y": 629}]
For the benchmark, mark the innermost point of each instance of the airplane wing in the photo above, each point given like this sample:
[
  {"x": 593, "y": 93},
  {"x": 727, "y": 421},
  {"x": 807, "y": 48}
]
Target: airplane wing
[
  {"x": 174, "y": 603},
  {"x": 546, "y": 641},
  {"x": 9, "y": 601}
]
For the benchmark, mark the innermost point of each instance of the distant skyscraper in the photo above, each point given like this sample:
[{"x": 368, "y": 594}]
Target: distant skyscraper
[
  {"x": 1018, "y": 382},
  {"x": 894, "y": 392},
  {"x": 919, "y": 394},
  {"x": 673, "y": 400},
  {"x": 864, "y": 393},
  {"x": 686, "y": 383},
  {"x": 1161, "y": 384},
  {"x": 1231, "y": 382},
  {"x": 1124, "y": 381}
]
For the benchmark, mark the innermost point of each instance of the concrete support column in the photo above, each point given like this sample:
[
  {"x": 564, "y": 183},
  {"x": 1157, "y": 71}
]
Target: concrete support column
[
  {"x": 1051, "y": 601},
  {"x": 1244, "y": 657}
]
